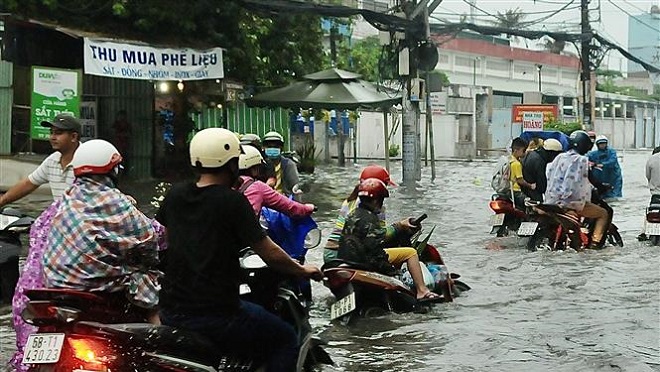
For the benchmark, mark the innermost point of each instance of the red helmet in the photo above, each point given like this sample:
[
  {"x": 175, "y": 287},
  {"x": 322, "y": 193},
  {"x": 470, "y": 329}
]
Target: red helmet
[
  {"x": 373, "y": 188},
  {"x": 376, "y": 171}
]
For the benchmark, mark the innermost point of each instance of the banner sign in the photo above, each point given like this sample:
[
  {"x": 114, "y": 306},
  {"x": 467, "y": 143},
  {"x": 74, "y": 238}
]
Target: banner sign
[
  {"x": 54, "y": 91},
  {"x": 88, "y": 120},
  {"x": 550, "y": 112},
  {"x": 532, "y": 121},
  {"x": 142, "y": 62}
]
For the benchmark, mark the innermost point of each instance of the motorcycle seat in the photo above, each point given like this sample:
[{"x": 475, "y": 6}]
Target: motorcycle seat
[
  {"x": 332, "y": 264},
  {"x": 654, "y": 207},
  {"x": 165, "y": 340}
]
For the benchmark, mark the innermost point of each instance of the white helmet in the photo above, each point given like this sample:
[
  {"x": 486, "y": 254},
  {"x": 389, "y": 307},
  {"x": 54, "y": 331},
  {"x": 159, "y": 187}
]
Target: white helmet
[
  {"x": 273, "y": 137},
  {"x": 95, "y": 157},
  {"x": 552, "y": 144},
  {"x": 249, "y": 158},
  {"x": 213, "y": 148},
  {"x": 601, "y": 139}
]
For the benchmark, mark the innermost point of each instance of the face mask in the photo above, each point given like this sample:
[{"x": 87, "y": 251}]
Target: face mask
[{"x": 272, "y": 152}]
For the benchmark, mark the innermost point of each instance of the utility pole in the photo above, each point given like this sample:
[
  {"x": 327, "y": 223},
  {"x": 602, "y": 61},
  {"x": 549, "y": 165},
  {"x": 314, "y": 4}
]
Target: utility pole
[{"x": 585, "y": 75}]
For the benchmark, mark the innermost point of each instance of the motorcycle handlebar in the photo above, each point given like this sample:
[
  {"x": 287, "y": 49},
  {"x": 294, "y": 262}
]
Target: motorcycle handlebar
[{"x": 418, "y": 221}]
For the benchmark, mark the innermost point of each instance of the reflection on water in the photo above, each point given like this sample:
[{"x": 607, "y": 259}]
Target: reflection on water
[{"x": 562, "y": 311}]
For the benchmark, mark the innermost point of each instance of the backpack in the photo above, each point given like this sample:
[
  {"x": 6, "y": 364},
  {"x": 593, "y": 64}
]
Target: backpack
[{"x": 501, "y": 181}]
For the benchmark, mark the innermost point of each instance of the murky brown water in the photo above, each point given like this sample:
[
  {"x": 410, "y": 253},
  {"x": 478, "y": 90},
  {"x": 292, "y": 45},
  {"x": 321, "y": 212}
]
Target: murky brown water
[{"x": 542, "y": 311}]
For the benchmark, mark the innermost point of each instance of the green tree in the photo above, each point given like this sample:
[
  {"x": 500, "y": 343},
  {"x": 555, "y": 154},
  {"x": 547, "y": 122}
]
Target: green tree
[
  {"x": 511, "y": 19},
  {"x": 260, "y": 51},
  {"x": 361, "y": 57}
]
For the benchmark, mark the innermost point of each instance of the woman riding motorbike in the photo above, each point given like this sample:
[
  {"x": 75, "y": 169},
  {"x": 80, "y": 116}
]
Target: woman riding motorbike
[{"x": 260, "y": 194}]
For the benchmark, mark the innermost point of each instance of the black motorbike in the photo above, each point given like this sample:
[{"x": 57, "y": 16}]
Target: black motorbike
[
  {"x": 13, "y": 223},
  {"x": 652, "y": 222},
  {"x": 557, "y": 228},
  {"x": 86, "y": 331}
]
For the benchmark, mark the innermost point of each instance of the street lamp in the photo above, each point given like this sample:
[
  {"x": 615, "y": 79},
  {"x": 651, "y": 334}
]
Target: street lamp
[{"x": 538, "y": 69}]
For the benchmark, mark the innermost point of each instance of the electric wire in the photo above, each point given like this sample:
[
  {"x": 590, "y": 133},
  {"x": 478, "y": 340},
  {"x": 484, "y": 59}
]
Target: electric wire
[{"x": 634, "y": 17}]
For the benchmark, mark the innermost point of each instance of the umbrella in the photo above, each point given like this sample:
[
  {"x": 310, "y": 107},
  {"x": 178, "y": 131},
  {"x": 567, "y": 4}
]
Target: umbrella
[{"x": 327, "y": 89}]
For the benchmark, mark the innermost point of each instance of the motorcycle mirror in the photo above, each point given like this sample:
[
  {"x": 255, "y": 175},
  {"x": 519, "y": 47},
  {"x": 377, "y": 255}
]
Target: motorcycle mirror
[
  {"x": 253, "y": 262},
  {"x": 313, "y": 239}
]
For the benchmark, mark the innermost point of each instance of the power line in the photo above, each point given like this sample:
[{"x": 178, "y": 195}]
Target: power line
[
  {"x": 634, "y": 17},
  {"x": 527, "y": 23},
  {"x": 634, "y": 6}
]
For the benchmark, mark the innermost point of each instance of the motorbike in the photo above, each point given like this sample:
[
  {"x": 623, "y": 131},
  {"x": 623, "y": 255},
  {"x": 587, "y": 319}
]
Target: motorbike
[
  {"x": 363, "y": 292},
  {"x": 85, "y": 331},
  {"x": 507, "y": 217},
  {"x": 13, "y": 224},
  {"x": 652, "y": 222},
  {"x": 558, "y": 228}
]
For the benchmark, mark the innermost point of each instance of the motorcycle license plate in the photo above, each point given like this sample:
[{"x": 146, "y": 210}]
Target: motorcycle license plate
[
  {"x": 343, "y": 306},
  {"x": 497, "y": 219},
  {"x": 43, "y": 348},
  {"x": 652, "y": 229},
  {"x": 527, "y": 228}
]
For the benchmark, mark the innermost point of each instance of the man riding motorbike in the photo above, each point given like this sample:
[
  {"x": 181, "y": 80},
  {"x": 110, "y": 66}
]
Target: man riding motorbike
[
  {"x": 363, "y": 238},
  {"x": 261, "y": 195},
  {"x": 607, "y": 168},
  {"x": 518, "y": 148},
  {"x": 569, "y": 186},
  {"x": 534, "y": 164},
  {"x": 285, "y": 172},
  {"x": 349, "y": 205},
  {"x": 653, "y": 178},
  {"x": 208, "y": 224},
  {"x": 99, "y": 241}
]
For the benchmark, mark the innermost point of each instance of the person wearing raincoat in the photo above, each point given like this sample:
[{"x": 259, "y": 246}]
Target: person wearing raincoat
[{"x": 606, "y": 167}]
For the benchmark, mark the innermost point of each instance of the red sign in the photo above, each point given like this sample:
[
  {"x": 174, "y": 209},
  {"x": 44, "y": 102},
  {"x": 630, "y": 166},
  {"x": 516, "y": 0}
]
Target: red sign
[{"x": 550, "y": 112}]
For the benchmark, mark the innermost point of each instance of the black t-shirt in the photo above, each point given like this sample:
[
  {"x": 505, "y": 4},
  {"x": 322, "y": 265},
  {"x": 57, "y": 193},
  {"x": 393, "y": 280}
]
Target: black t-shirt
[{"x": 206, "y": 229}]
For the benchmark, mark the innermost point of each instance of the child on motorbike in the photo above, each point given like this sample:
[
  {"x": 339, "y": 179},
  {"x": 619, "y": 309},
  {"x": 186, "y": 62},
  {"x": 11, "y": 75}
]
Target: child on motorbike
[
  {"x": 363, "y": 238},
  {"x": 260, "y": 194}
]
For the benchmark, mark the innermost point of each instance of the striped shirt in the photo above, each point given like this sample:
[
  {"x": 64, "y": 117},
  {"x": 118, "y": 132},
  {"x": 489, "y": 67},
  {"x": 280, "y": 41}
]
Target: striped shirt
[{"x": 50, "y": 171}]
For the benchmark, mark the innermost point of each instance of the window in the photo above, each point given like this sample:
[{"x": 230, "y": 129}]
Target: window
[{"x": 630, "y": 110}]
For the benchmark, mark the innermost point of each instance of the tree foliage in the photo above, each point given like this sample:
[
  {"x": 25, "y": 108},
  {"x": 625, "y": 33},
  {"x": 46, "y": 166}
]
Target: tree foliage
[
  {"x": 260, "y": 51},
  {"x": 361, "y": 57}
]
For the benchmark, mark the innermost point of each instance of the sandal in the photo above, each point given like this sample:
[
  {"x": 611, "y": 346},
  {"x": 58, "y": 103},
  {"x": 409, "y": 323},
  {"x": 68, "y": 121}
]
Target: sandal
[{"x": 430, "y": 297}]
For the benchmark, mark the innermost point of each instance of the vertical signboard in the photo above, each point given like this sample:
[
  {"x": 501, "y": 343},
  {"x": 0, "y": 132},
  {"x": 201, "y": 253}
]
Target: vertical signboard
[
  {"x": 88, "y": 120},
  {"x": 54, "y": 91}
]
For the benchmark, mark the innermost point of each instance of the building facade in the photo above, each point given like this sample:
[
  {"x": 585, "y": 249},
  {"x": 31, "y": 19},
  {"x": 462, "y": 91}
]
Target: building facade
[{"x": 644, "y": 38}]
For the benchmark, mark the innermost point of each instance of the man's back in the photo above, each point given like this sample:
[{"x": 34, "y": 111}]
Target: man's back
[
  {"x": 653, "y": 173},
  {"x": 533, "y": 169},
  {"x": 206, "y": 227}
]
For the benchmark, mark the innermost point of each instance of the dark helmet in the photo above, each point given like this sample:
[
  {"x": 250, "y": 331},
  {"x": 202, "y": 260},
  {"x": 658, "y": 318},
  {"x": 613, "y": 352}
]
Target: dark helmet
[
  {"x": 373, "y": 188},
  {"x": 581, "y": 142},
  {"x": 251, "y": 139}
]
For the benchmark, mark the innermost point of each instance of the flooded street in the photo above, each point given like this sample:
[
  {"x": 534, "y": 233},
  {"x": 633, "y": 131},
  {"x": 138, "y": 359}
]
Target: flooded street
[{"x": 541, "y": 311}]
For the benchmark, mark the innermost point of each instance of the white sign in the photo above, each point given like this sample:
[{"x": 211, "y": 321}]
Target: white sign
[
  {"x": 438, "y": 103},
  {"x": 532, "y": 121},
  {"x": 142, "y": 62},
  {"x": 88, "y": 119}
]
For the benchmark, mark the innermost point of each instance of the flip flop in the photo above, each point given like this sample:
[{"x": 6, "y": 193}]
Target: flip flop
[{"x": 430, "y": 297}]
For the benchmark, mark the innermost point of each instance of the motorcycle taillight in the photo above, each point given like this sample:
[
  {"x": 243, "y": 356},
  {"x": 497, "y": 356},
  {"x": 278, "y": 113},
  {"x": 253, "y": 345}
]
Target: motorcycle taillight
[
  {"x": 90, "y": 353},
  {"x": 339, "y": 278},
  {"x": 653, "y": 216},
  {"x": 501, "y": 206}
]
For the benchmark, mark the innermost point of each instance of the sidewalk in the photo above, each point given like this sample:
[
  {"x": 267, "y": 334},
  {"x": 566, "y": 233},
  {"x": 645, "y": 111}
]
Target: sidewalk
[{"x": 14, "y": 168}]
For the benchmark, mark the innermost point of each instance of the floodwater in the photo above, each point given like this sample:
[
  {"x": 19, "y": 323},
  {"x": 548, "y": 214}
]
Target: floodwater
[{"x": 540, "y": 311}]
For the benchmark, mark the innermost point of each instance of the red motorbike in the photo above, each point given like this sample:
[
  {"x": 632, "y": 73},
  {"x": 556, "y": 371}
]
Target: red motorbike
[{"x": 507, "y": 217}]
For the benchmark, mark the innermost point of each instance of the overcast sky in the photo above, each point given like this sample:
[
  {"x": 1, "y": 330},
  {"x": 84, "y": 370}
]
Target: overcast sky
[{"x": 607, "y": 19}]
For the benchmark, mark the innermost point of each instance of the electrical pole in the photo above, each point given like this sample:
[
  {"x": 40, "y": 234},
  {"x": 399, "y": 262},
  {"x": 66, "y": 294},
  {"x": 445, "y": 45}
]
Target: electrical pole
[
  {"x": 410, "y": 114},
  {"x": 585, "y": 75}
]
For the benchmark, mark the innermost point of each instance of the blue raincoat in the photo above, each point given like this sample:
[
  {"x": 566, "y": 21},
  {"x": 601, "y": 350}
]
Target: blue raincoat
[{"x": 611, "y": 171}]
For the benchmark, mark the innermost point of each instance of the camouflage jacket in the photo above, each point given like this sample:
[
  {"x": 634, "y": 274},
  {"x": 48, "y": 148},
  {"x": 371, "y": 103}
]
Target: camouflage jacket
[{"x": 363, "y": 239}]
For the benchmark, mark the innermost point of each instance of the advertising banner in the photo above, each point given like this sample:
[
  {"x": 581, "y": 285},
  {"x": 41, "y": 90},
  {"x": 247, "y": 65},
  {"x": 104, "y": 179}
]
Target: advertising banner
[
  {"x": 54, "y": 91},
  {"x": 143, "y": 62},
  {"x": 550, "y": 112}
]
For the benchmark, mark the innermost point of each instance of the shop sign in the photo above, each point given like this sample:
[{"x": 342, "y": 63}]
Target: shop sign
[
  {"x": 532, "y": 121},
  {"x": 143, "y": 62},
  {"x": 550, "y": 112},
  {"x": 54, "y": 91}
]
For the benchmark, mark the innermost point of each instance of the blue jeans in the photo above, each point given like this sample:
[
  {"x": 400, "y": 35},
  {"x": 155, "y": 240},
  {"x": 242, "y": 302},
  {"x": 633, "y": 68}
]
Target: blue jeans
[{"x": 252, "y": 332}]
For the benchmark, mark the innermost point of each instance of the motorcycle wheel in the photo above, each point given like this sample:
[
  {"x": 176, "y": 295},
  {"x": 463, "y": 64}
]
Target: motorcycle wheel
[
  {"x": 655, "y": 240},
  {"x": 373, "y": 312},
  {"x": 541, "y": 238},
  {"x": 615, "y": 238},
  {"x": 502, "y": 231}
]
